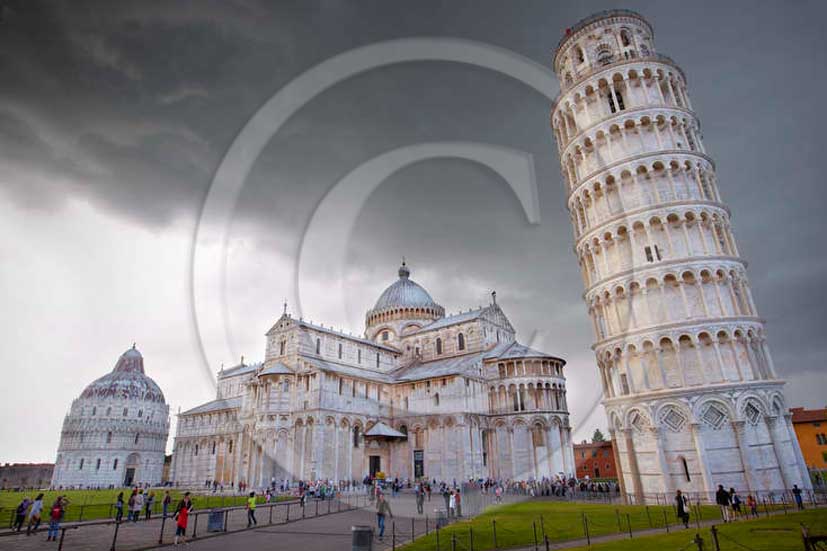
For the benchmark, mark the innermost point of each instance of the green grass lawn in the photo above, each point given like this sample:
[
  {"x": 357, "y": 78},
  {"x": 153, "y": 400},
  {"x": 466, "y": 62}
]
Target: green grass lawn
[
  {"x": 776, "y": 533},
  {"x": 97, "y": 504},
  {"x": 515, "y": 523}
]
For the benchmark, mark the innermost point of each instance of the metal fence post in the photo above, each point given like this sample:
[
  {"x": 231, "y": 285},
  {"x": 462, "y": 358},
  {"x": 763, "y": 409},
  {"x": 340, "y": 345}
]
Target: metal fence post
[
  {"x": 195, "y": 527},
  {"x": 453, "y": 542},
  {"x": 494, "y": 525},
  {"x": 617, "y": 516},
  {"x": 115, "y": 537},
  {"x": 665, "y": 521},
  {"x": 471, "y": 537},
  {"x": 714, "y": 531},
  {"x": 648, "y": 518},
  {"x": 586, "y": 528},
  {"x": 160, "y": 536},
  {"x": 62, "y": 535},
  {"x": 271, "y": 515},
  {"x": 629, "y": 522}
]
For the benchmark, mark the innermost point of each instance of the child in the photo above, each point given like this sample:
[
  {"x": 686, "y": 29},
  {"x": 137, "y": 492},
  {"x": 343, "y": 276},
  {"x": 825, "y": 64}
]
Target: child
[{"x": 753, "y": 506}]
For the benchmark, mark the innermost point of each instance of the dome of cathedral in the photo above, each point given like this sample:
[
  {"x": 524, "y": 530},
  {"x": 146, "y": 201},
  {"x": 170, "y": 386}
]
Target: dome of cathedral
[
  {"x": 127, "y": 380},
  {"x": 405, "y": 293}
]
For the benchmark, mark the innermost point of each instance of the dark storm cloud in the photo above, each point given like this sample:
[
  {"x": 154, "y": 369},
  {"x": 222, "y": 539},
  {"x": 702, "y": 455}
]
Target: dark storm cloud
[{"x": 132, "y": 110}]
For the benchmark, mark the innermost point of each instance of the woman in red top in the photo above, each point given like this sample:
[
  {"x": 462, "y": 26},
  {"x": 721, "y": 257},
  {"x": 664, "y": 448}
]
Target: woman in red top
[{"x": 182, "y": 515}]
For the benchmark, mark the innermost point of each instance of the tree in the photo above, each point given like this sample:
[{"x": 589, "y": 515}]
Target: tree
[{"x": 598, "y": 436}]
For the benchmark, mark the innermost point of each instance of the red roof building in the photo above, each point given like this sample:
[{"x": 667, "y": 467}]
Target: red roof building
[{"x": 595, "y": 460}]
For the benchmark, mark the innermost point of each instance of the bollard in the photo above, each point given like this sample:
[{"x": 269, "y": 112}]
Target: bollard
[
  {"x": 629, "y": 522},
  {"x": 471, "y": 537},
  {"x": 115, "y": 537},
  {"x": 714, "y": 531}
]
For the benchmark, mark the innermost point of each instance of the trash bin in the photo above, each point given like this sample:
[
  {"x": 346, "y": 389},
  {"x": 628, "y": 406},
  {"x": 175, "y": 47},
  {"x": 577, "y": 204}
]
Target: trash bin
[
  {"x": 441, "y": 518},
  {"x": 362, "y": 539}
]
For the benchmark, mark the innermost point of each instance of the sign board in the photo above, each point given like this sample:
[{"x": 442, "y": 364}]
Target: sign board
[{"x": 215, "y": 522}]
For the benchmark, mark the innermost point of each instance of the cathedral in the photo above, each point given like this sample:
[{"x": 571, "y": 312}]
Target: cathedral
[{"x": 422, "y": 394}]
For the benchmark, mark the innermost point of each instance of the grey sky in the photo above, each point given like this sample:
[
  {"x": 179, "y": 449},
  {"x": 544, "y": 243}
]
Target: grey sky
[{"x": 113, "y": 118}]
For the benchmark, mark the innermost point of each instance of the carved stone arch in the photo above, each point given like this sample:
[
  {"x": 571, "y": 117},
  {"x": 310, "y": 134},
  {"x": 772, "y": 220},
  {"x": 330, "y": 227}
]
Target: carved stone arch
[
  {"x": 752, "y": 408},
  {"x": 638, "y": 419},
  {"x": 713, "y": 412},
  {"x": 673, "y": 415}
]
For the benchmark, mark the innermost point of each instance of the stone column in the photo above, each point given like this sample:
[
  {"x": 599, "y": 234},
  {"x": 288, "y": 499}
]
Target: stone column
[
  {"x": 616, "y": 453},
  {"x": 738, "y": 431},
  {"x": 700, "y": 451},
  {"x": 631, "y": 458}
]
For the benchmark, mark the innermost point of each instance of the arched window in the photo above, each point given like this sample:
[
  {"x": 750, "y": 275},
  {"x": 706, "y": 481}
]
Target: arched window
[
  {"x": 436, "y": 399},
  {"x": 341, "y": 385},
  {"x": 625, "y": 40},
  {"x": 356, "y": 436},
  {"x": 359, "y": 355},
  {"x": 340, "y": 351},
  {"x": 377, "y": 359},
  {"x": 230, "y": 447},
  {"x": 461, "y": 342},
  {"x": 125, "y": 412},
  {"x": 137, "y": 437},
  {"x": 98, "y": 464},
  {"x": 94, "y": 411},
  {"x": 281, "y": 348},
  {"x": 385, "y": 335},
  {"x": 685, "y": 469},
  {"x": 140, "y": 413},
  {"x": 578, "y": 54},
  {"x": 614, "y": 108},
  {"x": 404, "y": 430},
  {"x": 213, "y": 448},
  {"x": 80, "y": 467},
  {"x": 604, "y": 55},
  {"x": 115, "y": 464},
  {"x": 196, "y": 449},
  {"x": 438, "y": 346},
  {"x": 108, "y": 437},
  {"x": 318, "y": 346}
]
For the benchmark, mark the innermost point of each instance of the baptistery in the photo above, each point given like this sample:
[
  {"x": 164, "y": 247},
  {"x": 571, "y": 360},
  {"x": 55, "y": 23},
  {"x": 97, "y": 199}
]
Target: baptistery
[{"x": 115, "y": 432}]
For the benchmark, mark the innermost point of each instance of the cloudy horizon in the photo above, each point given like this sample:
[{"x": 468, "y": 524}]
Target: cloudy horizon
[{"x": 113, "y": 123}]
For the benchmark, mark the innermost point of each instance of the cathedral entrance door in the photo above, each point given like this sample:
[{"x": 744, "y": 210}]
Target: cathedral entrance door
[
  {"x": 375, "y": 464},
  {"x": 130, "y": 476}
]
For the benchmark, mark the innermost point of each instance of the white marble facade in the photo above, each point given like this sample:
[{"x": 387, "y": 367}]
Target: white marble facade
[
  {"x": 690, "y": 389},
  {"x": 471, "y": 401},
  {"x": 115, "y": 433}
]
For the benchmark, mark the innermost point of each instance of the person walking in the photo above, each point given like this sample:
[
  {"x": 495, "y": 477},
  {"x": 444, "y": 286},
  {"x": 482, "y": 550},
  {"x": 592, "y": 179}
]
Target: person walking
[
  {"x": 420, "y": 499},
  {"x": 681, "y": 504},
  {"x": 182, "y": 513},
  {"x": 382, "y": 508},
  {"x": 20, "y": 514},
  {"x": 119, "y": 508},
  {"x": 446, "y": 496},
  {"x": 459, "y": 503},
  {"x": 150, "y": 501},
  {"x": 34, "y": 514},
  {"x": 735, "y": 500},
  {"x": 452, "y": 504},
  {"x": 797, "y": 495},
  {"x": 251, "y": 510},
  {"x": 130, "y": 504},
  {"x": 723, "y": 501}
]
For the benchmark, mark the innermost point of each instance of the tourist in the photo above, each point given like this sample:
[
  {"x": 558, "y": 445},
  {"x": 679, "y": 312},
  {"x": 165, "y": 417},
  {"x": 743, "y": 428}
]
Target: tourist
[
  {"x": 420, "y": 499},
  {"x": 182, "y": 514},
  {"x": 382, "y": 508},
  {"x": 55, "y": 516},
  {"x": 131, "y": 504},
  {"x": 752, "y": 503},
  {"x": 797, "y": 495},
  {"x": 498, "y": 493},
  {"x": 150, "y": 501},
  {"x": 723, "y": 500},
  {"x": 119, "y": 508},
  {"x": 20, "y": 514},
  {"x": 681, "y": 504},
  {"x": 735, "y": 500},
  {"x": 138, "y": 505},
  {"x": 34, "y": 514},
  {"x": 452, "y": 504},
  {"x": 167, "y": 501},
  {"x": 251, "y": 510},
  {"x": 459, "y": 503},
  {"x": 446, "y": 496}
]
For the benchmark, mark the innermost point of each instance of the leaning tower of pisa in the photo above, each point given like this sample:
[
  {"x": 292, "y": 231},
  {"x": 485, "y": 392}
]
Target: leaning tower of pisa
[{"x": 690, "y": 390}]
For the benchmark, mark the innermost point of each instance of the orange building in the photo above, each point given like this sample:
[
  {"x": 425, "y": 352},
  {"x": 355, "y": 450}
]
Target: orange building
[
  {"x": 597, "y": 460},
  {"x": 811, "y": 429}
]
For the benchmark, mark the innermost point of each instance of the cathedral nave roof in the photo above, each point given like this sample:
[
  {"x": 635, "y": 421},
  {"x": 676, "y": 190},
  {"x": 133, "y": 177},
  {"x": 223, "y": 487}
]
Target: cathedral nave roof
[
  {"x": 340, "y": 334},
  {"x": 215, "y": 405},
  {"x": 347, "y": 370},
  {"x": 516, "y": 350},
  {"x": 239, "y": 370},
  {"x": 454, "y": 365},
  {"x": 277, "y": 368}
]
